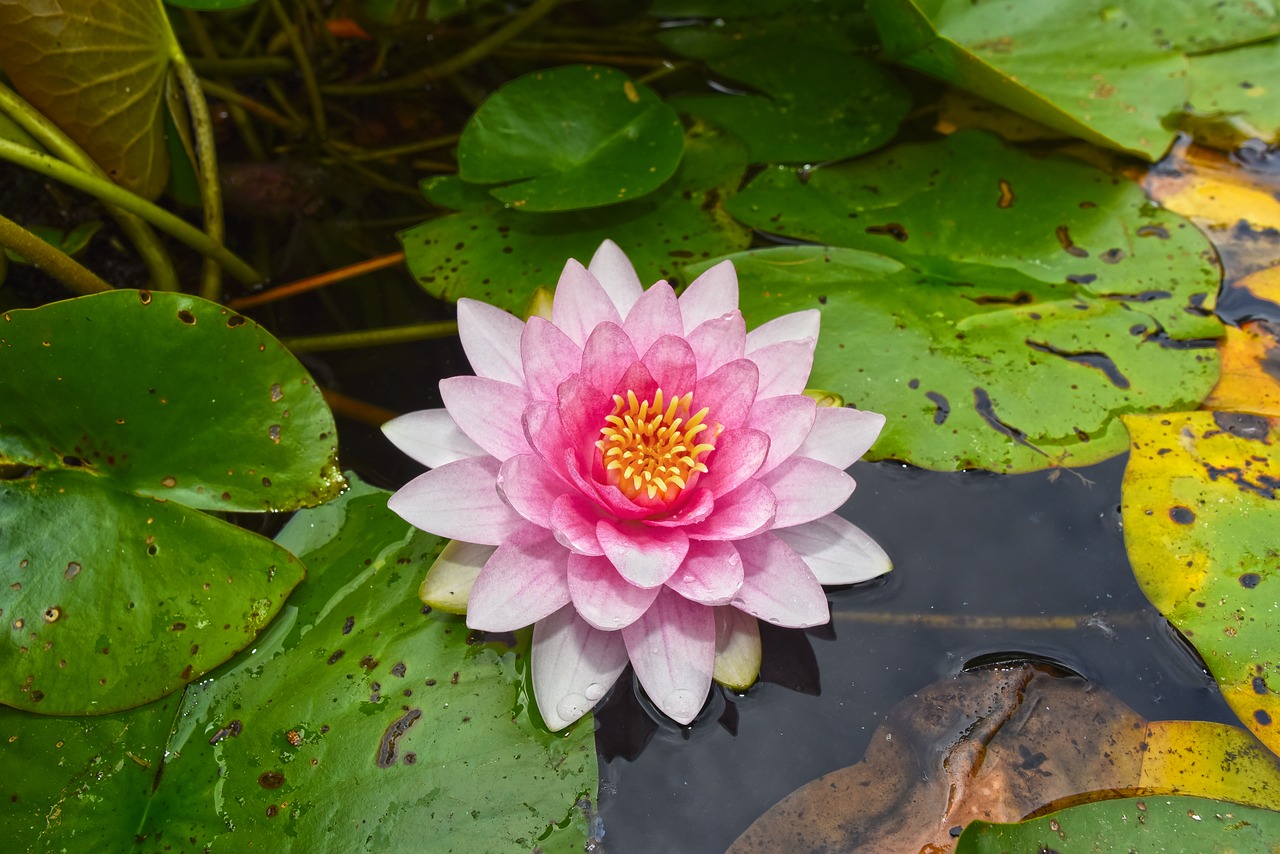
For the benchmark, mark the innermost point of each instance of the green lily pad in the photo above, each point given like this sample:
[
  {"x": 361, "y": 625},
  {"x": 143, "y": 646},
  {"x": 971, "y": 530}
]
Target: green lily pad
[
  {"x": 503, "y": 256},
  {"x": 570, "y": 138},
  {"x": 1200, "y": 509},
  {"x": 1198, "y": 26},
  {"x": 1169, "y": 824},
  {"x": 126, "y": 414},
  {"x": 99, "y": 70},
  {"x": 357, "y": 723},
  {"x": 1239, "y": 86}
]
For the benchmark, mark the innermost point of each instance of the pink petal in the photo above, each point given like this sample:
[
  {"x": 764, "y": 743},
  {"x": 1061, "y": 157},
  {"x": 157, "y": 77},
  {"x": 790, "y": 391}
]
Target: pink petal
[
  {"x": 603, "y": 597},
  {"x": 614, "y": 272},
  {"x": 636, "y": 378},
  {"x": 608, "y": 354},
  {"x": 549, "y": 357},
  {"x": 573, "y": 523},
  {"x": 840, "y": 436},
  {"x": 609, "y": 497},
  {"x": 729, "y": 392},
  {"x": 573, "y": 666},
  {"x": 491, "y": 340},
  {"x": 431, "y": 437},
  {"x": 784, "y": 367},
  {"x": 460, "y": 501},
  {"x": 695, "y": 508},
  {"x": 790, "y": 327},
  {"x": 581, "y": 303},
  {"x": 544, "y": 432},
  {"x": 489, "y": 412},
  {"x": 654, "y": 315},
  {"x": 582, "y": 408},
  {"x": 711, "y": 295},
  {"x": 531, "y": 487},
  {"x": 673, "y": 649},
  {"x": 526, "y": 579},
  {"x": 787, "y": 421},
  {"x": 806, "y": 490},
  {"x": 718, "y": 341},
  {"x": 644, "y": 555},
  {"x": 737, "y": 649},
  {"x": 836, "y": 550},
  {"x": 673, "y": 366},
  {"x": 737, "y": 456},
  {"x": 711, "y": 573},
  {"x": 777, "y": 585},
  {"x": 747, "y": 510}
]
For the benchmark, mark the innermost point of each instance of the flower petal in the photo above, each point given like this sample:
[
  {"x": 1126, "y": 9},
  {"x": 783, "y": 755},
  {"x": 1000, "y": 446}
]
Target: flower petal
[
  {"x": 491, "y": 340},
  {"x": 644, "y": 555},
  {"x": 431, "y": 437},
  {"x": 673, "y": 650},
  {"x": 787, "y": 420},
  {"x": 460, "y": 501},
  {"x": 672, "y": 365},
  {"x": 604, "y": 598},
  {"x": 718, "y": 341},
  {"x": 582, "y": 408},
  {"x": 489, "y": 412},
  {"x": 737, "y": 649},
  {"x": 836, "y": 550},
  {"x": 448, "y": 583},
  {"x": 790, "y": 327},
  {"x": 747, "y": 510},
  {"x": 729, "y": 392},
  {"x": 806, "y": 490},
  {"x": 840, "y": 435},
  {"x": 711, "y": 573},
  {"x": 581, "y": 303},
  {"x": 694, "y": 509},
  {"x": 738, "y": 455},
  {"x": 608, "y": 354},
  {"x": 711, "y": 295},
  {"x": 526, "y": 579},
  {"x": 573, "y": 523},
  {"x": 531, "y": 487},
  {"x": 549, "y": 357},
  {"x": 573, "y": 666},
  {"x": 777, "y": 585},
  {"x": 614, "y": 272},
  {"x": 784, "y": 367},
  {"x": 654, "y": 315}
]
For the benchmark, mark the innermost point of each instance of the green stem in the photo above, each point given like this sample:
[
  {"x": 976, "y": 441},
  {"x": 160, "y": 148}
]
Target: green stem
[
  {"x": 259, "y": 109},
  {"x": 246, "y": 66},
  {"x": 49, "y": 258},
  {"x": 304, "y": 65},
  {"x": 533, "y": 13},
  {"x": 206, "y": 169},
  {"x": 157, "y": 260},
  {"x": 111, "y": 193},
  {"x": 372, "y": 337}
]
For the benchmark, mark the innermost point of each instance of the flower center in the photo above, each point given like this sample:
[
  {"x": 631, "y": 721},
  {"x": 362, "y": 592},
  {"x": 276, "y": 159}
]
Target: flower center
[{"x": 651, "y": 450}]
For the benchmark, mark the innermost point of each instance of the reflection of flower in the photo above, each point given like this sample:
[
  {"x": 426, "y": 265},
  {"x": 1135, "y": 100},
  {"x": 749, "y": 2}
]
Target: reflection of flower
[{"x": 639, "y": 477}]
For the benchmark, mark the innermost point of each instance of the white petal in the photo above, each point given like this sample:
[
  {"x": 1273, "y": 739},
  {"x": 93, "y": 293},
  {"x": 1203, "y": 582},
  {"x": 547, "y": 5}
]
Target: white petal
[
  {"x": 840, "y": 436},
  {"x": 673, "y": 650},
  {"x": 709, "y": 296},
  {"x": 491, "y": 339},
  {"x": 431, "y": 437},
  {"x": 573, "y": 666},
  {"x": 613, "y": 270},
  {"x": 790, "y": 327},
  {"x": 837, "y": 551},
  {"x": 460, "y": 501},
  {"x": 449, "y": 580}
]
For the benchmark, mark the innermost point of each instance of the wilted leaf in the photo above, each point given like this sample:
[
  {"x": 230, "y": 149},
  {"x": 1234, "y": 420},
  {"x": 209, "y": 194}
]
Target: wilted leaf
[
  {"x": 1250, "y": 379},
  {"x": 98, "y": 70},
  {"x": 1201, "y": 514}
]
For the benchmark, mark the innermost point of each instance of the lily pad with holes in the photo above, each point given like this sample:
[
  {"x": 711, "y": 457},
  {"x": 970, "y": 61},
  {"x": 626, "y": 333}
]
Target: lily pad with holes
[{"x": 127, "y": 413}]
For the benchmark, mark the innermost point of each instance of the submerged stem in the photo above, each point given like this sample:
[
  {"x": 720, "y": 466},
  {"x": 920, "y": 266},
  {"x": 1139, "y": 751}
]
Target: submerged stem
[
  {"x": 372, "y": 337},
  {"x": 319, "y": 281},
  {"x": 49, "y": 258}
]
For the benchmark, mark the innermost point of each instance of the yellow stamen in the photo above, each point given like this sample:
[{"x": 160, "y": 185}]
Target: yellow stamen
[{"x": 653, "y": 450}]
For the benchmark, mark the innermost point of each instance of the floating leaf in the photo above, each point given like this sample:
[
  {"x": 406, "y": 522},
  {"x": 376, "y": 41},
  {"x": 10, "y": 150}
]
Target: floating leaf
[
  {"x": 98, "y": 70},
  {"x": 1201, "y": 511},
  {"x": 569, "y": 138},
  {"x": 124, "y": 411},
  {"x": 502, "y": 256},
  {"x": 1174, "y": 825},
  {"x": 1238, "y": 86},
  {"x": 356, "y": 723}
]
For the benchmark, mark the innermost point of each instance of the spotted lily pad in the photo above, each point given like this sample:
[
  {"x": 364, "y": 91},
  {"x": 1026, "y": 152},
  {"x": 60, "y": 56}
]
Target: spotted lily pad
[
  {"x": 1201, "y": 510},
  {"x": 126, "y": 414}
]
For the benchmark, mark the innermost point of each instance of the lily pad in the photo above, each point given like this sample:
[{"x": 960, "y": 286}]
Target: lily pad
[
  {"x": 1200, "y": 511},
  {"x": 357, "y": 723},
  {"x": 126, "y": 413},
  {"x": 568, "y": 138},
  {"x": 99, "y": 70},
  {"x": 1239, "y": 86},
  {"x": 503, "y": 256}
]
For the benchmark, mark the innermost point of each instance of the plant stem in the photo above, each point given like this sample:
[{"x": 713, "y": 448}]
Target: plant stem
[
  {"x": 372, "y": 337},
  {"x": 49, "y": 258},
  {"x": 356, "y": 410},
  {"x": 244, "y": 66},
  {"x": 206, "y": 169},
  {"x": 302, "y": 286},
  {"x": 356, "y": 153},
  {"x": 107, "y": 191},
  {"x": 157, "y": 260},
  {"x": 304, "y": 66},
  {"x": 259, "y": 109}
]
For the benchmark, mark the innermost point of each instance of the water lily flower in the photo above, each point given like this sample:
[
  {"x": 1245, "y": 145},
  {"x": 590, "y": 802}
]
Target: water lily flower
[{"x": 640, "y": 479}]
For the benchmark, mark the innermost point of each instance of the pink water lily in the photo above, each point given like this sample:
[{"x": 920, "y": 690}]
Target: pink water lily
[{"x": 640, "y": 478}]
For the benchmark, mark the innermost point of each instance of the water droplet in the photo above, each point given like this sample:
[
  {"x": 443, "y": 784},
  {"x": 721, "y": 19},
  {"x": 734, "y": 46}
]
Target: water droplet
[
  {"x": 683, "y": 705},
  {"x": 687, "y": 578},
  {"x": 734, "y": 560},
  {"x": 595, "y": 691},
  {"x": 572, "y": 707}
]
